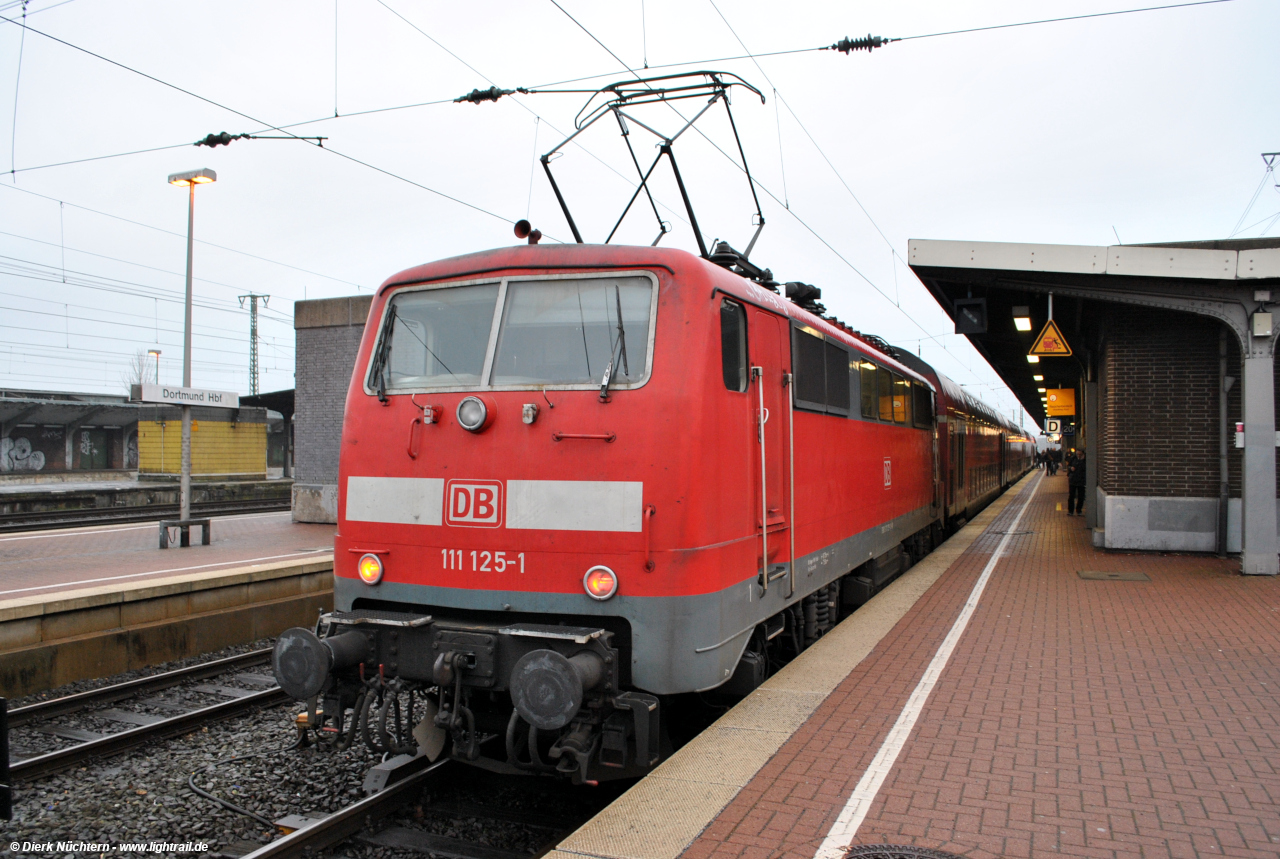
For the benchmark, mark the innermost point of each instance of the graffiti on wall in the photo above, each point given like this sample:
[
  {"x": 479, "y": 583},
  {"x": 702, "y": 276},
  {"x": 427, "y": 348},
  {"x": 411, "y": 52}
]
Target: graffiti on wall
[{"x": 16, "y": 454}]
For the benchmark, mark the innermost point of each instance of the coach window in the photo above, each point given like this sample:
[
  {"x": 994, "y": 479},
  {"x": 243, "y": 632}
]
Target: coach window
[
  {"x": 867, "y": 384},
  {"x": 885, "y": 379},
  {"x": 922, "y": 407},
  {"x": 733, "y": 344}
]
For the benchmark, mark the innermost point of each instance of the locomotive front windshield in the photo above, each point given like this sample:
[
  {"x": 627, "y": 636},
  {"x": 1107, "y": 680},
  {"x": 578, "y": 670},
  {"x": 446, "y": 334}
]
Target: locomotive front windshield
[{"x": 564, "y": 331}]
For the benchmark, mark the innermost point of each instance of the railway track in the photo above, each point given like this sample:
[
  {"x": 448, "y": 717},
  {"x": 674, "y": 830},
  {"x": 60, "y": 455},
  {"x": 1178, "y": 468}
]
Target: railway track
[
  {"x": 40, "y": 718},
  {"x": 45, "y": 519},
  {"x": 400, "y": 818}
]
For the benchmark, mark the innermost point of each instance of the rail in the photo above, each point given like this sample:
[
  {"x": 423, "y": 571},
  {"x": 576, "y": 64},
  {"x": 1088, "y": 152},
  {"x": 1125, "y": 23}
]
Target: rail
[
  {"x": 131, "y": 688},
  {"x": 341, "y": 825},
  {"x": 114, "y": 744}
]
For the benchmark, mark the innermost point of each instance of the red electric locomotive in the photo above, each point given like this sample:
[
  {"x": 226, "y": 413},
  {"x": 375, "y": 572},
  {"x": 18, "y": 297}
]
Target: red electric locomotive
[{"x": 578, "y": 481}]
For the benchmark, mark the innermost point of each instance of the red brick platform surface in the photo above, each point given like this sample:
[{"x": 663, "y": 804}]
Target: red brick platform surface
[{"x": 1075, "y": 717}]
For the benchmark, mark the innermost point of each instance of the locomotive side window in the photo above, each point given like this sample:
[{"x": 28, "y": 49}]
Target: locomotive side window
[
  {"x": 922, "y": 409},
  {"x": 867, "y": 385},
  {"x": 733, "y": 344},
  {"x": 439, "y": 336},
  {"x": 885, "y": 382},
  {"x": 807, "y": 358},
  {"x": 901, "y": 399},
  {"x": 837, "y": 393},
  {"x": 566, "y": 332},
  {"x": 822, "y": 378}
]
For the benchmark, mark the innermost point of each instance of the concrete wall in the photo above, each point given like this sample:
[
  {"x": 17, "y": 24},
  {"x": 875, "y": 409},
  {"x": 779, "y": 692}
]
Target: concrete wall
[
  {"x": 1167, "y": 524},
  {"x": 328, "y": 333},
  {"x": 49, "y": 640}
]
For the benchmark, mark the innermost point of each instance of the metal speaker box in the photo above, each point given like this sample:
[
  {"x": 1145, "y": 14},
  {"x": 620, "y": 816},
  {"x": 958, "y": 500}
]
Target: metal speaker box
[{"x": 971, "y": 315}]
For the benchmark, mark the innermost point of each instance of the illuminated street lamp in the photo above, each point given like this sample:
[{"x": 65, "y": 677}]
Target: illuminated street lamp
[
  {"x": 189, "y": 180},
  {"x": 155, "y": 353}
]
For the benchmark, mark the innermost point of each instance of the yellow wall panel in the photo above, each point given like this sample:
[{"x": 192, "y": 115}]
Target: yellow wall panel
[{"x": 217, "y": 447}]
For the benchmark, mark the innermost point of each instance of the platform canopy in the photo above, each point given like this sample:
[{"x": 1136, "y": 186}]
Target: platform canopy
[{"x": 1214, "y": 278}]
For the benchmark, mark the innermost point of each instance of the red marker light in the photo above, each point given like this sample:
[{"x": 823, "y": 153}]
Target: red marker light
[
  {"x": 600, "y": 583},
  {"x": 369, "y": 567}
]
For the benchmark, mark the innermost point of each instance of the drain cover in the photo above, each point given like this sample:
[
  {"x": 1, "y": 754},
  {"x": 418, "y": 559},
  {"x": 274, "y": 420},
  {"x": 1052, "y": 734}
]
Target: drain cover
[
  {"x": 1016, "y": 533},
  {"x": 896, "y": 851},
  {"x": 1101, "y": 576}
]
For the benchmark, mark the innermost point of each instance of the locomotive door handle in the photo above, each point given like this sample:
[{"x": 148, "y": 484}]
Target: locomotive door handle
[{"x": 413, "y": 438}]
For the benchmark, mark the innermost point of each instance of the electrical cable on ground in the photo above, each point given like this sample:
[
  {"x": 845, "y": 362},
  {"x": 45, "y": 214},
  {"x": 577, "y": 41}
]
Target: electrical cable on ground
[{"x": 230, "y": 806}]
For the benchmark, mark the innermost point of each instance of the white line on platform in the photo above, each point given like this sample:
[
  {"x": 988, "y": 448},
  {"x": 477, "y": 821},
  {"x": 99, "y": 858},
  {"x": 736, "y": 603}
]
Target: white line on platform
[
  {"x": 842, "y": 832},
  {"x": 111, "y": 529},
  {"x": 231, "y": 563}
]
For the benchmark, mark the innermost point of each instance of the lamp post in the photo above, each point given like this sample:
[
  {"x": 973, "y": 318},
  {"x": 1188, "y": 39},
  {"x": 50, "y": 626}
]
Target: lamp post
[
  {"x": 189, "y": 180},
  {"x": 155, "y": 353}
]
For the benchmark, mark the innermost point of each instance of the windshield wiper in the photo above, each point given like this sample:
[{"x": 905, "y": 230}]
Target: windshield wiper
[
  {"x": 379, "y": 368},
  {"x": 618, "y": 353}
]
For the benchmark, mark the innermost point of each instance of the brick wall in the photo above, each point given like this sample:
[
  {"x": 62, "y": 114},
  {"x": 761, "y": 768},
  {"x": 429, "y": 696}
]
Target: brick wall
[
  {"x": 1159, "y": 405},
  {"x": 328, "y": 333}
]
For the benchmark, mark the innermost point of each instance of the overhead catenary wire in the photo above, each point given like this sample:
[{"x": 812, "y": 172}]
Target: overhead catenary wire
[
  {"x": 110, "y": 284},
  {"x": 1257, "y": 192},
  {"x": 251, "y": 118},
  {"x": 519, "y": 102},
  {"x": 183, "y": 236},
  {"x": 893, "y": 253},
  {"x": 4, "y": 7},
  {"x": 286, "y": 317},
  {"x": 755, "y": 181},
  {"x": 17, "y": 83},
  {"x": 1061, "y": 20}
]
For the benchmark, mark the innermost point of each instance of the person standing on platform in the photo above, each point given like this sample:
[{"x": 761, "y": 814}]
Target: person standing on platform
[{"x": 1075, "y": 485}]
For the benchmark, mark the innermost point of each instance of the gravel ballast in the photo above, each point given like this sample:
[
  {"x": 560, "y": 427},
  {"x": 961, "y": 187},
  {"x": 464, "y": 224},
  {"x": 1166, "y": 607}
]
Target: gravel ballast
[{"x": 143, "y": 796}]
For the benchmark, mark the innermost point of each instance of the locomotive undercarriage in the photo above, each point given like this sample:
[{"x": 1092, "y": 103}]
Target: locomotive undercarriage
[
  {"x": 512, "y": 697},
  {"x": 785, "y": 635}
]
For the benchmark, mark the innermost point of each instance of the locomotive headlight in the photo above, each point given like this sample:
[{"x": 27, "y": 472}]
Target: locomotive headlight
[
  {"x": 369, "y": 568},
  {"x": 473, "y": 414},
  {"x": 600, "y": 583}
]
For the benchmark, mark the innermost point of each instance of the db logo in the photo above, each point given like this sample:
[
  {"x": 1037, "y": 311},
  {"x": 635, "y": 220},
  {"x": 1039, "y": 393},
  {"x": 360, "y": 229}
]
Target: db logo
[
  {"x": 474, "y": 503},
  {"x": 888, "y": 472}
]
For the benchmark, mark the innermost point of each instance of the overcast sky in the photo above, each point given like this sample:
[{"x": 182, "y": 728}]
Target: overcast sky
[{"x": 1147, "y": 125}]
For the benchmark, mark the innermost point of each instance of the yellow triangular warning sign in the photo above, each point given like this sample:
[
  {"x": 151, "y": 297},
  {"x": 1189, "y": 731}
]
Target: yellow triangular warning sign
[{"x": 1051, "y": 342}]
